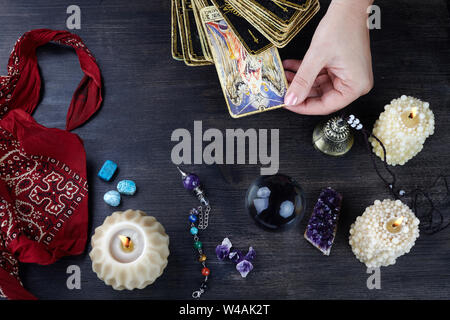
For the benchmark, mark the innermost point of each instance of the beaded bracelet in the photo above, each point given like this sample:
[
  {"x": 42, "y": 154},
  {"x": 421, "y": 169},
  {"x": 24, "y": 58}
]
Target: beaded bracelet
[{"x": 198, "y": 220}]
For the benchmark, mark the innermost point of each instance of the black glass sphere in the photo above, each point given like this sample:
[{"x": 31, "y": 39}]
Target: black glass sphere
[{"x": 275, "y": 202}]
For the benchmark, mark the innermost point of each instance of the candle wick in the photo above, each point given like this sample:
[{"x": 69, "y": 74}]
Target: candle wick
[{"x": 126, "y": 241}]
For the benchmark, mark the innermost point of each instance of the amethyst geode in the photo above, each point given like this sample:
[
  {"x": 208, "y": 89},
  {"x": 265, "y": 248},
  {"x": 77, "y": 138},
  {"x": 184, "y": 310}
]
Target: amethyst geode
[{"x": 322, "y": 225}]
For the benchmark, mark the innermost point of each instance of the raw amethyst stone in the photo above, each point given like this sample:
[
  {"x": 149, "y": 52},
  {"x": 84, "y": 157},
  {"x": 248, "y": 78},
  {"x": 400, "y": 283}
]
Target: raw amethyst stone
[
  {"x": 223, "y": 250},
  {"x": 250, "y": 254},
  {"x": 322, "y": 225},
  {"x": 244, "y": 267},
  {"x": 191, "y": 181},
  {"x": 236, "y": 256}
]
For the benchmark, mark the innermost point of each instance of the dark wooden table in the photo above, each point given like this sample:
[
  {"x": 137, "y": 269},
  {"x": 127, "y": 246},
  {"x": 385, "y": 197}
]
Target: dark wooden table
[{"x": 145, "y": 94}]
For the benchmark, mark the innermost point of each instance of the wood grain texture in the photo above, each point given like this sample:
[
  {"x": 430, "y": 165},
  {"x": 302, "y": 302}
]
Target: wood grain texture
[{"x": 148, "y": 95}]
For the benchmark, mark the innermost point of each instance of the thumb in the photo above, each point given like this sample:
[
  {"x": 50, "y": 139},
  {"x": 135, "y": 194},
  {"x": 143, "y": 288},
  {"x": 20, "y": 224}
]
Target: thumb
[{"x": 303, "y": 80}]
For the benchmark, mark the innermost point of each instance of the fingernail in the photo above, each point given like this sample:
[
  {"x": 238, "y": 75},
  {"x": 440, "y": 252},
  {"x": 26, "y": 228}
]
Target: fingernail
[{"x": 290, "y": 99}]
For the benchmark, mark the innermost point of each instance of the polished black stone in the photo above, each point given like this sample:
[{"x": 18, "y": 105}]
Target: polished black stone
[{"x": 283, "y": 207}]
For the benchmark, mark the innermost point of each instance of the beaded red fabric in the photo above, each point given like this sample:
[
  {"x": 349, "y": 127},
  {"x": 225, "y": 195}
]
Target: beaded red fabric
[{"x": 43, "y": 187}]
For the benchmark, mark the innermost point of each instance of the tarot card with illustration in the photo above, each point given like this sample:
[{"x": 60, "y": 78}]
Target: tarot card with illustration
[{"x": 250, "y": 83}]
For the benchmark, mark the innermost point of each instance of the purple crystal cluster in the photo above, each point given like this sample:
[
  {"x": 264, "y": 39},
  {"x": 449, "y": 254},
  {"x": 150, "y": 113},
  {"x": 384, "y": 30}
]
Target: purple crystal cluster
[
  {"x": 322, "y": 225},
  {"x": 243, "y": 262}
]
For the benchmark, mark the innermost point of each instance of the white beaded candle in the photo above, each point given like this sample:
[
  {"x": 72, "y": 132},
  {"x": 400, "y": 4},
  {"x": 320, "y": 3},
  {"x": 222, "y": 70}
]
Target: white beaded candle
[
  {"x": 129, "y": 250},
  {"x": 403, "y": 128},
  {"x": 385, "y": 231}
]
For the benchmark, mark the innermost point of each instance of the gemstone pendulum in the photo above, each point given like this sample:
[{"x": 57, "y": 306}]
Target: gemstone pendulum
[{"x": 198, "y": 220}]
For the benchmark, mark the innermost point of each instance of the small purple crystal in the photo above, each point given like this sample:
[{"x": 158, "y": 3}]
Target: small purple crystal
[
  {"x": 243, "y": 263},
  {"x": 191, "y": 181},
  {"x": 244, "y": 267},
  {"x": 322, "y": 225},
  {"x": 250, "y": 255},
  {"x": 223, "y": 250},
  {"x": 236, "y": 256}
]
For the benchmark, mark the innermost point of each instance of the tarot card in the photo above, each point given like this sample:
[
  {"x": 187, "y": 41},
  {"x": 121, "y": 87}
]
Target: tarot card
[
  {"x": 193, "y": 49},
  {"x": 196, "y": 6},
  {"x": 177, "y": 51},
  {"x": 281, "y": 14},
  {"x": 203, "y": 3},
  {"x": 182, "y": 33},
  {"x": 253, "y": 41},
  {"x": 252, "y": 14},
  {"x": 247, "y": 9},
  {"x": 296, "y": 4},
  {"x": 277, "y": 37},
  {"x": 250, "y": 83}
]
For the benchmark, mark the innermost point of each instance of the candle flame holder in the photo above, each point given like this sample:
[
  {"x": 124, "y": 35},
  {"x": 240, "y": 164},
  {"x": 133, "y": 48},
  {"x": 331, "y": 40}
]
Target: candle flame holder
[
  {"x": 395, "y": 225},
  {"x": 333, "y": 137}
]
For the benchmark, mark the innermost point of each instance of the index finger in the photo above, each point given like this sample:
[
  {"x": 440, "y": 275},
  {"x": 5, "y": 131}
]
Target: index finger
[{"x": 329, "y": 102}]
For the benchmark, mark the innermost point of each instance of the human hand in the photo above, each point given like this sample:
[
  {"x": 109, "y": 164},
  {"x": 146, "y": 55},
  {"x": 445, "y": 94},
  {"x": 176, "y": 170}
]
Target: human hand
[{"x": 337, "y": 68}]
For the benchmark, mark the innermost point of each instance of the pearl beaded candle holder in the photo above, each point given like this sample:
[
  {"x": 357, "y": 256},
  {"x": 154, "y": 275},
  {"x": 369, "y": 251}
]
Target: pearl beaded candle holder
[
  {"x": 129, "y": 250},
  {"x": 385, "y": 231},
  {"x": 403, "y": 128}
]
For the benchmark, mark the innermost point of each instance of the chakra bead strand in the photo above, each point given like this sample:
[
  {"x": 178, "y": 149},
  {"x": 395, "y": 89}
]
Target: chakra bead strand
[
  {"x": 193, "y": 214},
  {"x": 198, "y": 219}
]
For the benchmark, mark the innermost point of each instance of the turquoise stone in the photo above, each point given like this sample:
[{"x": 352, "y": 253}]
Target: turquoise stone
[
  {"x": 194, "y": 231},
  {"x": 127, "y": 187},
  {"x": 107, "y": 171},
  {"x": 112, "y": 198}
]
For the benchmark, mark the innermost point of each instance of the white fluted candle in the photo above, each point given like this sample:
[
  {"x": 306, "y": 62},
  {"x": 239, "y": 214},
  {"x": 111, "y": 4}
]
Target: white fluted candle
[{"x": 129, "y": 250}]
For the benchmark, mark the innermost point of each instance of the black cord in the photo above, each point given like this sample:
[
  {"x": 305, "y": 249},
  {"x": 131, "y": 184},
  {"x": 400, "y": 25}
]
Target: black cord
[
  {"x": 389, "y": 185},
  {"x": 433, "y": 219}
]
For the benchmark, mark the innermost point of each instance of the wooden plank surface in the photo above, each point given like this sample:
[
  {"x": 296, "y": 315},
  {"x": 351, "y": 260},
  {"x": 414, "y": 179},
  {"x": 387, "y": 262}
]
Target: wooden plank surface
[{"x": 148, "y": 95}]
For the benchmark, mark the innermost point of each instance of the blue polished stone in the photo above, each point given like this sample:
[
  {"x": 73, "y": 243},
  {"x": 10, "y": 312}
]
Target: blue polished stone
[
  {"x": 112, "y": 198},
  {"x": 193, "y": 218},
  {"x": 107, "y": 171},
  {"x": 127, "y": 187}
]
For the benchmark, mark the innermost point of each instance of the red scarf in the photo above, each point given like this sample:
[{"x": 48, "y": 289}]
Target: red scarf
[{"x": 43, "y": 186}]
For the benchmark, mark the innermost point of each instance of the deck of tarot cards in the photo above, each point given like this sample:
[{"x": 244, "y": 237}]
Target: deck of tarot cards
[{"x": 240, "y": 37}]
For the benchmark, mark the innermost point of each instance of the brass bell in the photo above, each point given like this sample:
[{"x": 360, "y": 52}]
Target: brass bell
[{"x": 333, "y": 137}]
